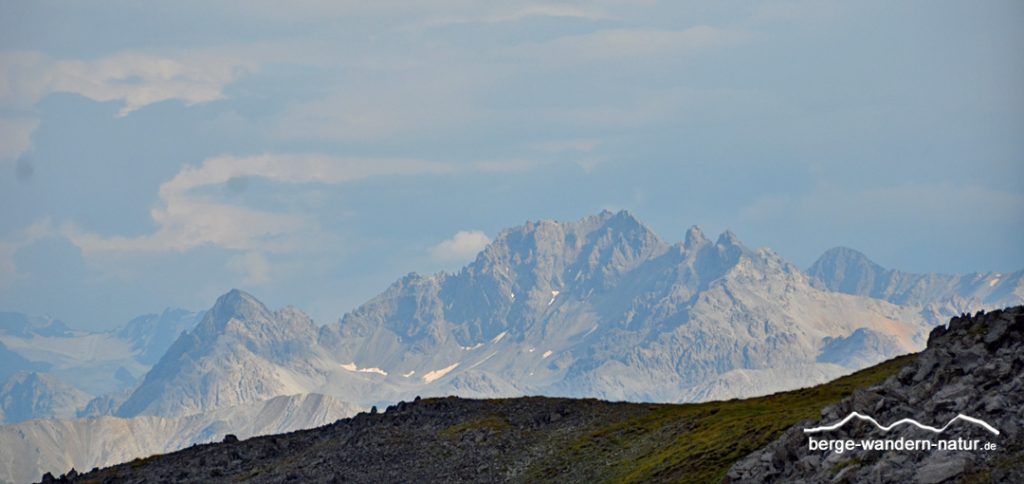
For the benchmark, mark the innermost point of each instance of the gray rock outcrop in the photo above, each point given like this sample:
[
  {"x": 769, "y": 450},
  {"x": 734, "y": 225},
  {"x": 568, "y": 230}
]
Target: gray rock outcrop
[{"x": 973, "y": 367}]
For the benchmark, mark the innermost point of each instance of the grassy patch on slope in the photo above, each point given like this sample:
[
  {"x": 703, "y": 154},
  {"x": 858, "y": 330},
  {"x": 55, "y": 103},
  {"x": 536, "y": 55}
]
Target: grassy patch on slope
[
  {"x": 699, "y": 442},
  {"x": 495, "y": 423}
]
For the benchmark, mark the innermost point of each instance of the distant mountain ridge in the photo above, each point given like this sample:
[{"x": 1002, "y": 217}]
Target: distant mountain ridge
[
  {"x": 17, "y": 324},
  {"x": 98, "y": 363},
  {"x": 152, "y": 334},
  {"x": 29, "y": 395},
  {"x": 603, "y": 307},
  {"x": 848, "y": 271},
  {"x": 970, "y": 367},
  {"x": 236, "y": 355},
  {"x": 597, "y": 307}
]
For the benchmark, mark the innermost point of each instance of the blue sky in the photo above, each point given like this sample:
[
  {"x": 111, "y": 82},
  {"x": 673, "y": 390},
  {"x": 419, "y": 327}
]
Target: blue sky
[{"x": 159, "y": 155}]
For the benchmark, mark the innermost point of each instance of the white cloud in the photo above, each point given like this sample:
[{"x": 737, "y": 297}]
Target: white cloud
[
  {"x": 462, "y": 247},
  {"x": 139, "y": 80},
  {"x": 187, "y": 220},
  {"x": 136, "y": 79},
  {"x": 294, "y": 169}
]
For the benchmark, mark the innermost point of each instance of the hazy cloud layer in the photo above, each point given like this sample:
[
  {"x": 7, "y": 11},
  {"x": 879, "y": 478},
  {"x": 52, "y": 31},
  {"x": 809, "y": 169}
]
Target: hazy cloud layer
[{"x": 160, "y": 154}]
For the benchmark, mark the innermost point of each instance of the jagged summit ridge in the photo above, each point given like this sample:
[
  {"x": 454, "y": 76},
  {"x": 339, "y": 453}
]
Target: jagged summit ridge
[
  {"x": 695, "y": 237},
  {"x": 580, "y": 308}
]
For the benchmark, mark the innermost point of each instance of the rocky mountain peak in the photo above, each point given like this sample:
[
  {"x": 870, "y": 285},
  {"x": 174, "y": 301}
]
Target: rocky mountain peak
[
  {"x": 241, "y": 352},
  {"x": 846, "y": 256},
  {"x": 846, "y": 270},
  {"x": 237, "y": 302},
  {"x": 152, "y": 334},
  {"x": 30, "y": 395},
  {"x": 695, "y": 238},
  {"x": 551, "y": 247},
  {"x": 624, "y": 220},
  {"x": 234, "y": 305},
  {"x": 729, "y": 249},
  {"x": 944, "y": 295},
  {"x": 728, "y": 239}
]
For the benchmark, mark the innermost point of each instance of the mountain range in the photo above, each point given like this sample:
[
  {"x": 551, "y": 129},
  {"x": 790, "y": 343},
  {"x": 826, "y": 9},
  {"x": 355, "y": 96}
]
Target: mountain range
[
  {"x": 598, "y": 307},
  {"x": 972, "y": 367},
  {"x": 602, "y": 307},
  {"x": 97, "y": 363},
  {"x": 845, "y": 270}
]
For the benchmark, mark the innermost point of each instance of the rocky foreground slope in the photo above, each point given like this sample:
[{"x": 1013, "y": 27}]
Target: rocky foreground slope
[{"x": 974, "y": 367}]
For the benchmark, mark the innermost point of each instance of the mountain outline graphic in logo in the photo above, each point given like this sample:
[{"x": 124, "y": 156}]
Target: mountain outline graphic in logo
[{"x": 886, "y": 428}]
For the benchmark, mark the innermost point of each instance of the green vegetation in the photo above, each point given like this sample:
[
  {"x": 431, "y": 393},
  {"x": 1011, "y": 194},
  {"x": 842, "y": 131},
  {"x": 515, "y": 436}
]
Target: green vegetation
[
  {"x": 699, "y": 442},
  {"x": 849, "y": 461},
  {"x": 495, "y": 423},
  {"x": 142, "y": 461}
]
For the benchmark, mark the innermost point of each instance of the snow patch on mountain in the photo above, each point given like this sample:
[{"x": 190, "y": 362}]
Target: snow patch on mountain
[
  {"x": 353, "y": 367},
  {"x": 437, "y": 374}
]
